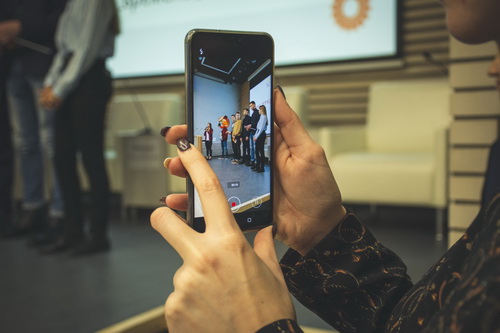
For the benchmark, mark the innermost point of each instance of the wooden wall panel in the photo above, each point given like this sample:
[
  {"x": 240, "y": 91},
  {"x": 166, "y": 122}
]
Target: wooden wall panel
[
  {"x": 475, "y": 108},
  {"x": 472, "y": 160},
  {"x": 465, "y": 189},
  {"x": 467, "y": 75},
  {"x": 473, "y": 132},
  {"x": 464, "y": 104},
  {"x": 462, "y": 215}
]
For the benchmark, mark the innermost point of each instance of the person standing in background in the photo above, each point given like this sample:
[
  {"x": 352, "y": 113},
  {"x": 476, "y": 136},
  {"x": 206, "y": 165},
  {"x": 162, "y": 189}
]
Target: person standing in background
[
  {"x": 28, "y": 32},
  {"x": 223, "y": 125},
  {"x": 208, "y": 138},
  {"x": 230, "y": 133},
  {"x": 252, "y": 129},
  {"x": 245, "y": 136},
  {"x": 260, "y": 140},
  {"x": 6, "y": 155},
  {"x": 78, "y": 87},
  {"x": 236, "y": 138}
]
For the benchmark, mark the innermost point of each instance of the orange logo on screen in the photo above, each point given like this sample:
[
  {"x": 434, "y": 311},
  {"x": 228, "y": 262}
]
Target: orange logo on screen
[{"x": 350, "y": 22}]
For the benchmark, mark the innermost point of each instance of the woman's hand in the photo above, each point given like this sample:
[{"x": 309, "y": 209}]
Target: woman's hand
[
  {"x": 307, "y": 202},
  {"x": 223, "y": 285},
  {"x": 48, "y": 99},
  {"x": 9, "y": 30}
]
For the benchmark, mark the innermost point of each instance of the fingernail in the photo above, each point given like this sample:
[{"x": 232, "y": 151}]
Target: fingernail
[
  {"x": 167, "y": 162},
  {"x": 281, "y": 89},
  {"x": 163, "y": 201},
  {"x": 183, "y": 144},
  {"x": 275, "y": 229},
  {"x": 164, "y": 130}
]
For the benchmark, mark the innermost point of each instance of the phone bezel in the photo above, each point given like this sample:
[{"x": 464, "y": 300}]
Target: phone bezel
[{"x": 240, "y": 37}]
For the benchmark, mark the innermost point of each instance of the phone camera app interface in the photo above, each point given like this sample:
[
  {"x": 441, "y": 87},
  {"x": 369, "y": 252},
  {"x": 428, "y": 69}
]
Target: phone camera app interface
[{"x": 232, "y": 126}]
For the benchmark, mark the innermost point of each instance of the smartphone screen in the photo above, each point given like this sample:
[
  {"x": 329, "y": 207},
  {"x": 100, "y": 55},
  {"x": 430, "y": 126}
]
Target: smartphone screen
[{"x": 229, "y": 83}]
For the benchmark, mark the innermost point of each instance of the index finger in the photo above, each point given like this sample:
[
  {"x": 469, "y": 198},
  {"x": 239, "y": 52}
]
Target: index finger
[
  {"x": 174, "y": 230},
  {"x": 213, "y": 199}
]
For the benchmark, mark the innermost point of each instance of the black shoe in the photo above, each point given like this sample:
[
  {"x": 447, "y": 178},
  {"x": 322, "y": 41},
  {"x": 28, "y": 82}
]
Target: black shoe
[
  {"x": 254, "y": 167},
  {"x": 248, "y": 164},
  {"x": 259, "y": 170},
  {"x": 41, "y": 239},
  {"x": 51, "y": 234},
  {"x": 90, "y": 247},
  {"x": 31, "y": 221},
  {"x": 59, "y": 246}
]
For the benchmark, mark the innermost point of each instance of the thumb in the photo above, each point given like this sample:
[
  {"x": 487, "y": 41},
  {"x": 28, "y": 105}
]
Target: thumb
[{"x": 263, "y": 245}]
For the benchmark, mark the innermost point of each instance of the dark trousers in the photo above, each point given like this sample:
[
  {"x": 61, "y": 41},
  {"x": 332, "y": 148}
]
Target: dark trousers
[
  {"x": 259, "y": 150},
  {"x": 80, "y": 129},
  {"x": 208, "y": 146},
  {"x": 233, "y": 145},
  {"x": 6, "y": 159},
  {"x": 246, "y": 149},
  {"x": 237, "y": 148}
]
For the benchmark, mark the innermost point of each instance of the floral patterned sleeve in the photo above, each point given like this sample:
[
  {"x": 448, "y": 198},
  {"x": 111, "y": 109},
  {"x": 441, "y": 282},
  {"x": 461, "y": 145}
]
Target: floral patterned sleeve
[
  {"x": 281, "y": 326},
  {"x": 349, "y": 279}
]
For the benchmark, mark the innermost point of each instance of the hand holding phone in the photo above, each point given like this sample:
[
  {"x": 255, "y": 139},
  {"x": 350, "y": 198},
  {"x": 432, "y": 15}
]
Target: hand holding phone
[
  {"x": 223, "y": 285},
  {"x": 307, "y": 200}
]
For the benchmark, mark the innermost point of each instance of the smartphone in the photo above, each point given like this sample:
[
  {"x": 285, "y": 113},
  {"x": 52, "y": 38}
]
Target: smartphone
[{"x": 227, "y": 72}]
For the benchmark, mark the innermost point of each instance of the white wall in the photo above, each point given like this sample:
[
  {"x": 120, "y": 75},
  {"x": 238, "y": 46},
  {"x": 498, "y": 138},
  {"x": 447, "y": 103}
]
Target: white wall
[{"x": 214, "y": 99}]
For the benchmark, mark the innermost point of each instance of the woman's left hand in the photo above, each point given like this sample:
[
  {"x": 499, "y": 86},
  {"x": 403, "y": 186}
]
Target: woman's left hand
[{"x": 223, "y": 285}]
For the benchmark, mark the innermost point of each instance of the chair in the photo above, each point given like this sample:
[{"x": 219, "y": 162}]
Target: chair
[{"x": 399, "y": 158}]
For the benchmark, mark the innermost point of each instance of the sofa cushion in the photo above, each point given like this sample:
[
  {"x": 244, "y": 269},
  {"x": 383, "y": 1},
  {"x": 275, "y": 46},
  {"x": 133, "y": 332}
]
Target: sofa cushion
[{"x": 391, "y": 178}]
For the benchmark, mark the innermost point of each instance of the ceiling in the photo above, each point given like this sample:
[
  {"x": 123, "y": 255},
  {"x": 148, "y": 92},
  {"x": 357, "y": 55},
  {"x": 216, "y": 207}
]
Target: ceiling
[{"x": 227, "y": 69}]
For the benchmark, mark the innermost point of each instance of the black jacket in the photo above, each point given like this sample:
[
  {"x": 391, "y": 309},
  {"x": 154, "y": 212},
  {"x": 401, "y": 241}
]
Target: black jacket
[{"x": 255, "y": 119}]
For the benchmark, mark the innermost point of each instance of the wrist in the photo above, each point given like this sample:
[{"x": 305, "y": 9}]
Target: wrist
[{"x": 321, "y": 230}]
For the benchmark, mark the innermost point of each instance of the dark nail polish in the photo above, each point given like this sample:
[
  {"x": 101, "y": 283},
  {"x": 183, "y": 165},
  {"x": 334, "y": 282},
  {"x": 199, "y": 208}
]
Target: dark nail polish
[
  {"x": 163, "y": 201},
  {"x": 281, "y": 89},
  {"x": 164, "y": 130},
  {"x": 183, "y": 144},
  {"x": 275, "y": 229}
]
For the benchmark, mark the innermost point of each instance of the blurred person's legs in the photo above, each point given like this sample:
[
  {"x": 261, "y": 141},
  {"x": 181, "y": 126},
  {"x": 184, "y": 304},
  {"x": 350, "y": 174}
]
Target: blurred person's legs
[
  {"x": 208, "y": 146},
  {"x": 6, "y": 165},
  {"x": 224, "y": 149},
  {"x": 237, "y": 148},
  {"x": 259, "y": 154},
  {"x": 252, "y": 148},
  {"x": 33, "y": 134},
  {"x": 80, "y": 130},
  {"x": 233, "y": 145},
  {"x": 246, "y": 150}
]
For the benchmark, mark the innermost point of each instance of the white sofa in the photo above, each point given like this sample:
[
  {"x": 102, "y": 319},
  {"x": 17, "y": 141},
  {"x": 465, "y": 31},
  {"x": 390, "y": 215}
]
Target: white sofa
[{"x": 399, "y": 157}]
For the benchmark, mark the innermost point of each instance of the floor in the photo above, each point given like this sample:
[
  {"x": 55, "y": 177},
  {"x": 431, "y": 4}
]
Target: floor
[
  {"x": 57, "y": 293},
  {"x": 240, "y": 181}
]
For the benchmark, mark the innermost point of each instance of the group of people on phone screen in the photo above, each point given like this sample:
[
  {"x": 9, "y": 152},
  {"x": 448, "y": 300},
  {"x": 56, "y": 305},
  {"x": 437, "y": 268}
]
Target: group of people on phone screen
[{"x": 247, "y": 132}]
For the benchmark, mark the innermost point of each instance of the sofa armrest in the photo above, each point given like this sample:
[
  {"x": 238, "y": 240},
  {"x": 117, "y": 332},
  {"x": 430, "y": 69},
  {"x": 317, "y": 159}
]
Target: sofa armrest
[{"x": 338, "y": 139}]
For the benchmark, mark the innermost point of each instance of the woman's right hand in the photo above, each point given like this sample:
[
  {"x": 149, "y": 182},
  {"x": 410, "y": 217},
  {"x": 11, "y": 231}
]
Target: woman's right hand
[{"x": 307, "y": 199}]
